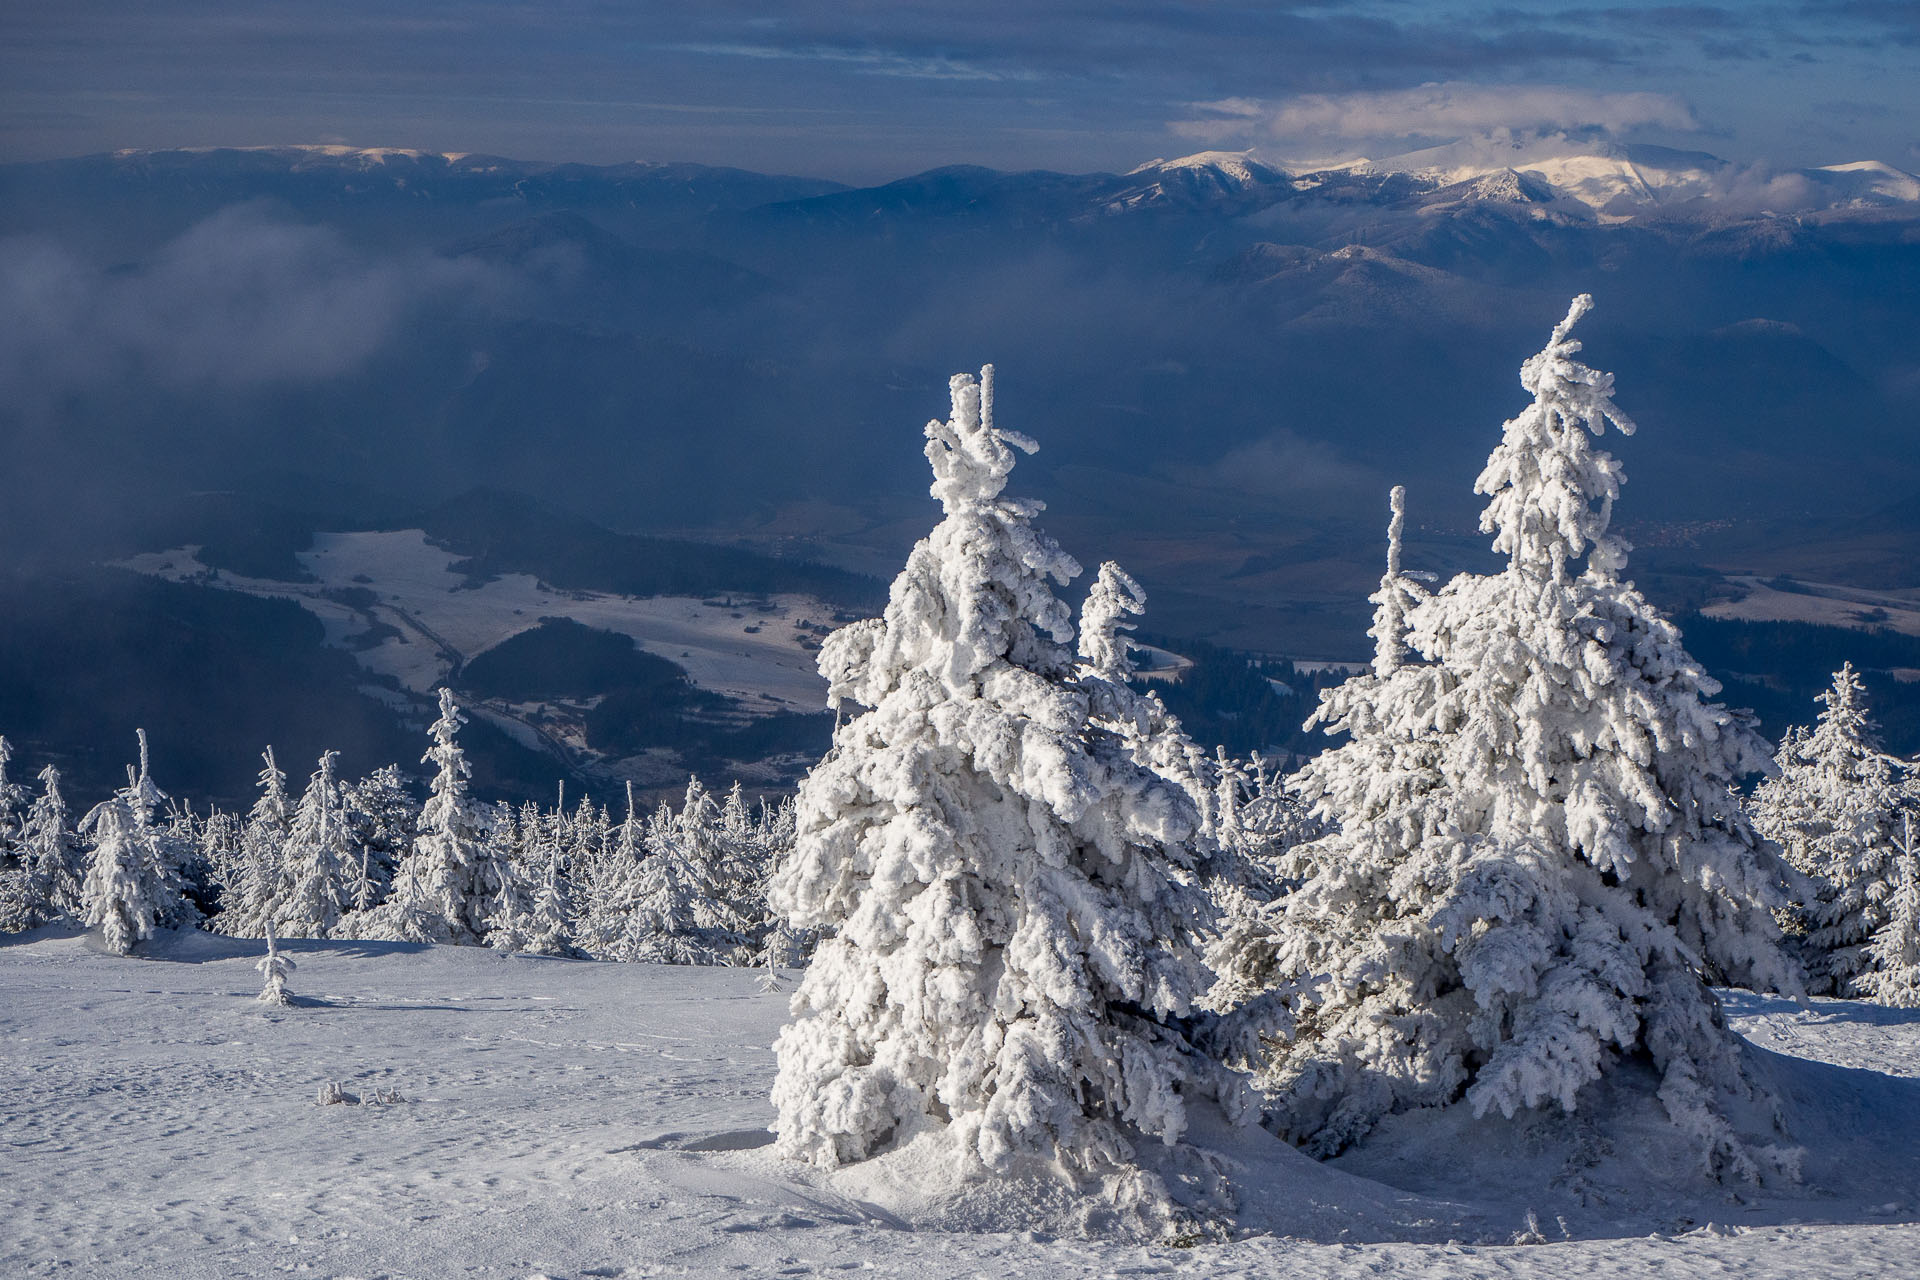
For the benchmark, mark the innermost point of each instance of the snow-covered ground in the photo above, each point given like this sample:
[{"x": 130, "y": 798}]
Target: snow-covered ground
[
  {"x": 754, "y": 652},
  {"x": 574, "y": 1119}
]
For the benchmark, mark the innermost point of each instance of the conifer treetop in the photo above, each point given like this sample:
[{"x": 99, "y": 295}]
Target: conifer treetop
[
  {"x": 1552, "y": 492},
  {"x": 1397, "y": 594},
  {"x": 975, "y": 591},
  {"x": 970, "y": 456},
  {"x": 1114, "y": 598}
]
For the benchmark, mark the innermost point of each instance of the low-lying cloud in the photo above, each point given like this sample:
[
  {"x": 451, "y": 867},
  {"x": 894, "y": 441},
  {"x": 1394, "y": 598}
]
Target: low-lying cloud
[{"x": 238, "y": 302}]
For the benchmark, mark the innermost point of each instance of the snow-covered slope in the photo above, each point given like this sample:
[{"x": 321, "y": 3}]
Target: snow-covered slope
[
  {"x": 1625, "y": 180},
  {"x": 570, "y": 1119}
]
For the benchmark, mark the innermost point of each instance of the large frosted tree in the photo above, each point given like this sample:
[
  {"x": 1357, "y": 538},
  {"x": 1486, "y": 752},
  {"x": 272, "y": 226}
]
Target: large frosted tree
[
  {"x": 1541, "y": 862},
  {"x": 1005, "y": 881},
  {"x": 1835, "y": 808}
]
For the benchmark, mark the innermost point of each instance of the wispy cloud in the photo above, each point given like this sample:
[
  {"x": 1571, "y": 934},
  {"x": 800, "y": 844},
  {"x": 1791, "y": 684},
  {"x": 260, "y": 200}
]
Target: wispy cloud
[
  {"x": 1431, "y": 111},
  {"x": 878, "y": 62}
]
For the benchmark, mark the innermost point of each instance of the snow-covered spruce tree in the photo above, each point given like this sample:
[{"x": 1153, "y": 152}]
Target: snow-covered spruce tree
[
  {"x": 249, "y": 890},
  {"x": 1834, "y": 809},
  {"x": 319, "y": 862},
  {"x": 532, "y": 906},
  {"x": 603, "y": 914},
  {"x": 384, "y": 819},
  {"x": 13, "y": 802},
  {"x": 43, "y": 884},
  {"x": 1257, "y": 823},
  {"x": 50, "y": 853},
  {"x": 133, "y": 884},
  {"x": 1007, "y": 886},
  {"x": 1541, "y": 862},
  {"x": 1892, "y": 974},
  {"x": 1389, "y": 774},
  {"x": 673, "y": 911},
  {"x": 439, "y": 891}
]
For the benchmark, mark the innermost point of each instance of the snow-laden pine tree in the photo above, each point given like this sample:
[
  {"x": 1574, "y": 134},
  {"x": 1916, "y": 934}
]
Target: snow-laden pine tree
[
  {"x": 603, "y": 915},
  {"x": 534, "y": 913},
  {"x": 439, "y": 891},
  {"x": 1005, "y": 880},
  {"x": 43, "y": 884},
  {"x": 1541, "y": 861},
  {"x": 672, "y": 911},
  {"x": 133, "y": 884},
  {"x": 50, "y": 852},
  {"x": 1892, "y": 973},
  {"x": 1834, "y": 809},
  {"x": 319, "y": 862},
  {"x": 13, "y": 802},
  {"x": 251, "y": 887},
  {"x": 385, "y": 818}
]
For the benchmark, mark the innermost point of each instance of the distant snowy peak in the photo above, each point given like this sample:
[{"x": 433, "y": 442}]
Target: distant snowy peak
[
  {"x": 1869, "y": 181},
  {"x": 1205, "y": 178},
  {"x": 1619, "y": 181},
  {"x": 1235, "y": 168}
]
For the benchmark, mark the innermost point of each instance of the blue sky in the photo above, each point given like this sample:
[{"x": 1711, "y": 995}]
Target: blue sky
[{"x": 867, "y": 91}]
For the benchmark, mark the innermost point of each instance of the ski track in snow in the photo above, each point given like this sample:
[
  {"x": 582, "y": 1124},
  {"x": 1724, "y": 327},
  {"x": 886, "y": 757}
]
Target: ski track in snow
[{"x": 574, "y": 1119}]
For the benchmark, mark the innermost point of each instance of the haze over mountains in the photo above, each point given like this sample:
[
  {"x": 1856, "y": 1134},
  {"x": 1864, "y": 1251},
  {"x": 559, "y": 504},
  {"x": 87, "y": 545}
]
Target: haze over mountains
[{"x": 1226, "y": 362}]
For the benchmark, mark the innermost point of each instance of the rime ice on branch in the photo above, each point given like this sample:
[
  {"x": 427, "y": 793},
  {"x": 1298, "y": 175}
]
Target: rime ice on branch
[
  {"x": 1003, "y": 846},
  {"x": 1541, "y": 859}
]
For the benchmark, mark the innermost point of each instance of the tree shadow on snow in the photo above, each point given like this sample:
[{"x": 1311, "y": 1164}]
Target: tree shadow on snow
[
  {"x": 1824, "y": 1012},
  {"x": 1618, "y": 1167}
]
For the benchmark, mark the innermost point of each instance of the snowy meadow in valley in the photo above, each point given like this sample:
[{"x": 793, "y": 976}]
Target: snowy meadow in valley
[{"x": 1519, "y": 976}]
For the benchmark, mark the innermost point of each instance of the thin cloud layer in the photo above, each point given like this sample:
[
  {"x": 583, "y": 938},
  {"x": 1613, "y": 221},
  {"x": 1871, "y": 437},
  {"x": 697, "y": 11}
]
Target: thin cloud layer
[{"x": 1430, "y": 111}]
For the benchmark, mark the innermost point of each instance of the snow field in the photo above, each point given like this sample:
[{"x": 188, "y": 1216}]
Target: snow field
[
  {"x": 575, "y": 1119},
  {"x": 420, "y": 596}
]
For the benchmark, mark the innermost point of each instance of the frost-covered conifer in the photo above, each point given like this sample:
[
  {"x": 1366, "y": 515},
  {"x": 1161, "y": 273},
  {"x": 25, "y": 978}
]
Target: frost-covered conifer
[
  {"x": 13, "y": 801},
  {"x": 247, "y": 902},
  {"x": 45, "y": 885},
  {"x": 1892, "y": 973},
  {"x": 275, "y": 968},
  {"x": 603, "y": 914},
  {"x": 1541, "y": 862},
  {"x": 319, "y": 863},
  {"x": 1257, "y": 824},
  {"x": 1834, "y": 809},
  {"x": 675, "y": 909},
  {"x": 384, "y": 818},
  {"x": 133, "y": 884},
  {"x": 440, "y": 892},
  {"x": 1005, "y": 879},
  {"x": 535, "y": 915}
]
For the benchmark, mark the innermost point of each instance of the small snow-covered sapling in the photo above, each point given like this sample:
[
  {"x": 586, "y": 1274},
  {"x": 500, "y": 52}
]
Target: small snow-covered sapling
[{"x": 275, "y": 969}]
